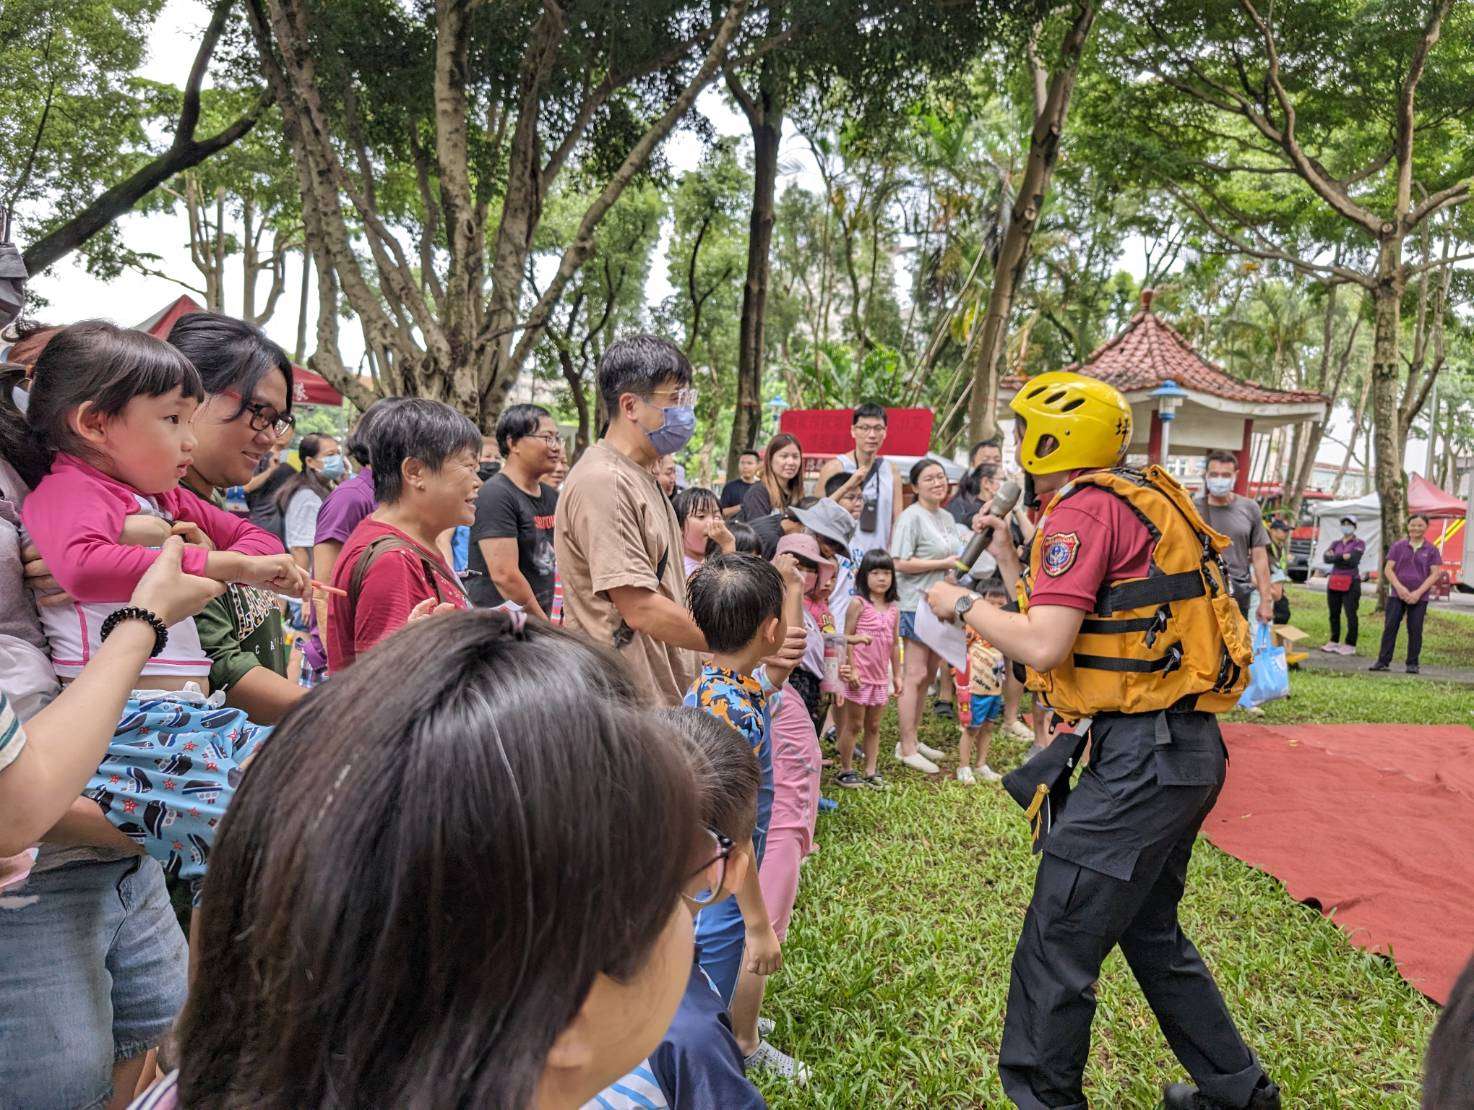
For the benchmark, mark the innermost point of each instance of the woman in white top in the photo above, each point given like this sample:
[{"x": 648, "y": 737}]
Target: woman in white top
[
  {"x": 301, "y": 496},
  {"x": 925, "y": 545}
]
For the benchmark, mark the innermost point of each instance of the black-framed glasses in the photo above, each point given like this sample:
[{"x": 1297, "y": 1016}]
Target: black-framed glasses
[
  {"x": 265, "y": 417},
  {"x": 552, "y": 440},
  {"x": 724, "y": 847}
]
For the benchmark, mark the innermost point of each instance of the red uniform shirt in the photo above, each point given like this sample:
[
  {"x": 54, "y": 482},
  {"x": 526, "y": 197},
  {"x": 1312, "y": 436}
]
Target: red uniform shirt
[
  {"x": 1092, "y": 538},
  {"x": 396, "y": 582}
]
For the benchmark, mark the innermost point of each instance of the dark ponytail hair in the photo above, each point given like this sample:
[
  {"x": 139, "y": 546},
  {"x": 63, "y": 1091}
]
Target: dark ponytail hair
[
  {"x": 306, "y": 478},
  {"x": 411, "y": 897},
  {"x": 230, "y": 354},
  {"x": 92, "y": 362},
  {"x": 18, "y": 444}
]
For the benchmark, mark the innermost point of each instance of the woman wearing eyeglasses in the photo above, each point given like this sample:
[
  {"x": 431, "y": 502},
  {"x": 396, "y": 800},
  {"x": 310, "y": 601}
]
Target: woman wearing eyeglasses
[{"x": 511, "y": 557}]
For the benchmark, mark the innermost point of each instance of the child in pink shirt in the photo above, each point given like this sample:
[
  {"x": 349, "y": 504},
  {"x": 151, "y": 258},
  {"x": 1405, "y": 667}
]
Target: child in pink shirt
[
  {"x": 113, "y": 409},
  {"x": 872, "y": 670}
]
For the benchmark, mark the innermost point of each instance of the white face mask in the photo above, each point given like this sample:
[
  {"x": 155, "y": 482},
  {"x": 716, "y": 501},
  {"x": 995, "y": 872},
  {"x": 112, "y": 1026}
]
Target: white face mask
[{"x": 1219, "y": 486}]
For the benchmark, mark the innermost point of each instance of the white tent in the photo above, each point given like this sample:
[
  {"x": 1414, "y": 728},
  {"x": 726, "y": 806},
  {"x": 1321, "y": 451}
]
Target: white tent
[{"x": 1367, "y": 510}]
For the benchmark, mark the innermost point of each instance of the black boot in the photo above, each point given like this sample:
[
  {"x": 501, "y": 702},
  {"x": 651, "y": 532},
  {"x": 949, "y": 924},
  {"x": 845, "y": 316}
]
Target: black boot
[{"x": 1184, "y": 1096}]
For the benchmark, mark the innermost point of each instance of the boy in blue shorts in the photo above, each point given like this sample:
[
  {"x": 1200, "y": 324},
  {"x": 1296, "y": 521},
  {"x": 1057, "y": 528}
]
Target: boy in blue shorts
[
  {"x": 737, "y": 602},
  {"x": 980, "y": 698}
]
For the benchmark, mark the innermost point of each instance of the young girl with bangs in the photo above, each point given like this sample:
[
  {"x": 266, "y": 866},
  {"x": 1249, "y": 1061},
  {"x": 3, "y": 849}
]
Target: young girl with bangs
[
  {"x": 872, "y": 669},
  {"x": 704, "y": 531}
]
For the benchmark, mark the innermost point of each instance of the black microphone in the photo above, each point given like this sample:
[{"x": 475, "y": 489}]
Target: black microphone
[{"x": 1003, "y": 502}]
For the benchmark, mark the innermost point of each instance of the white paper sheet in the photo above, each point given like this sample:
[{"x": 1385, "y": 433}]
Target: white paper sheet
[{"x": 947, "y": 640}]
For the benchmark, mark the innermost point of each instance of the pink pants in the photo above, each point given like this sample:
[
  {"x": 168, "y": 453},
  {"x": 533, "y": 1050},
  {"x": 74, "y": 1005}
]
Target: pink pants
[{"x": 778, "y": 876}]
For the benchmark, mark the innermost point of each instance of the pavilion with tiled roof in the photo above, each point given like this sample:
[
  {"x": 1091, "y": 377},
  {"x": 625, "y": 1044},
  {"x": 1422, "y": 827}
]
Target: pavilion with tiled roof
[{"x": 1213, "y": 408}]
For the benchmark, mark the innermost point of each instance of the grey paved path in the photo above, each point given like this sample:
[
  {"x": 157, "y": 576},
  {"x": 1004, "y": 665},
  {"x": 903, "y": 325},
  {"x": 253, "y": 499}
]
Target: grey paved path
[{"x": 1358, "y": 664}]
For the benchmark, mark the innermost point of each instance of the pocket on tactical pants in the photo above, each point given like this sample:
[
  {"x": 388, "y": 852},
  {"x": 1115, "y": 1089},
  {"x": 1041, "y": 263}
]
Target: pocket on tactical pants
[{"x": 1079, "y": 899}]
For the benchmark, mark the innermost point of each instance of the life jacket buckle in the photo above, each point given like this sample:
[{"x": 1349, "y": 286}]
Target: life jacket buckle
[
  {"x": 1174, "y": 658},
  {"x": 1159, "y": 624}
]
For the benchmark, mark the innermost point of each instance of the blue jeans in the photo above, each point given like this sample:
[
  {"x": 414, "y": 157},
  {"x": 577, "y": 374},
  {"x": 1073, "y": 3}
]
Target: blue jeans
[{"x": 92, "y": 971}]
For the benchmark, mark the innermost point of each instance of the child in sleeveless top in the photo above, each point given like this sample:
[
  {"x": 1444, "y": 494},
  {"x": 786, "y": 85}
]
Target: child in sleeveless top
[
  {"x": 113, "y": 408},
  {"x": 872, "y": 669},
  {"x": 979, "y": 700}
]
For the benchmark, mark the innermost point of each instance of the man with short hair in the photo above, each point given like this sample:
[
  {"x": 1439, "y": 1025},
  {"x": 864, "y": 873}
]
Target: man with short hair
[
  {"x": 987, "y": 452},
  {"x": 1238, "y": 518},
  {"x": 881, "y": 486},
  {"x": 617, "y": 541},
  {"x": 511, "y": 557},
  {"x": 748, "y": 465}
]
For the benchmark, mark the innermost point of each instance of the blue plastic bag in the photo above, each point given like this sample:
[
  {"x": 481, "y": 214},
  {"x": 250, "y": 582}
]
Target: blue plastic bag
[{"x": 1269, "y": 674}]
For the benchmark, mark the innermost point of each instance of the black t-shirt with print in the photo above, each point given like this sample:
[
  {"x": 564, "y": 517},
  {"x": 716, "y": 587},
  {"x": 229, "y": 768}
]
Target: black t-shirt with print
[{"x": 505, "y": 512}]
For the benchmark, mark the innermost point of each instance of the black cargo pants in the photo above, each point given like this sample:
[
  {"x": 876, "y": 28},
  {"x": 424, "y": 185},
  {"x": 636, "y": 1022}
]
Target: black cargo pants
[{"x": 1112, "y": 872}]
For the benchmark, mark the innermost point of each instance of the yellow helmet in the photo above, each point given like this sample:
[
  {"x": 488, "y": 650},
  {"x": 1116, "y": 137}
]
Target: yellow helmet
[{"x": 1079, "y": 422}]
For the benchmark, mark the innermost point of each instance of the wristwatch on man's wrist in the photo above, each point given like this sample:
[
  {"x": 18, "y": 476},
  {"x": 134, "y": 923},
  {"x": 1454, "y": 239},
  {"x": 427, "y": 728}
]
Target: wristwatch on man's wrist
[{"x": 965, "y": 603}]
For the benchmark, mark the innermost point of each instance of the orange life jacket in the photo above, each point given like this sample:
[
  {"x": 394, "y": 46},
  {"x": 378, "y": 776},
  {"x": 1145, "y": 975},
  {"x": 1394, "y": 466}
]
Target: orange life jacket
[{"x": 1172, "y": 640}]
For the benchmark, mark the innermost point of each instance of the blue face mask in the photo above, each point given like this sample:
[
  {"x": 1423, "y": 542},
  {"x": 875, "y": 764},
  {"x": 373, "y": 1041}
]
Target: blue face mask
[
  {"x": 675, "y": 430},
  {"x": 332, "y": 467},
  {"x": 1219, "y": 487}
]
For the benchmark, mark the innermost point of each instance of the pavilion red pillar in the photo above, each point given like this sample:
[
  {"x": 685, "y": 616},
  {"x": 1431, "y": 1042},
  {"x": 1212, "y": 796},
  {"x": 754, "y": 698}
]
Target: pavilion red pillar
[
  {"x": 1241, "y": 486},
  {"x": 1154, "y": 440}
]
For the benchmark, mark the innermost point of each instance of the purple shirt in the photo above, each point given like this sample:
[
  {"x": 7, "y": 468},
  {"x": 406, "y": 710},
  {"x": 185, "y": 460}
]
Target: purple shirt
[
  {"x": 341, "y": 511},
  {"x": 345, "y": 507},
  {"x": 1412, "y": 567}
]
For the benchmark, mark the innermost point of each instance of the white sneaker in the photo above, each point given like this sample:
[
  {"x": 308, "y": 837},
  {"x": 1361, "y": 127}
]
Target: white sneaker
[
  {"x": 779, "y": 1063},
  {"x": 964, "y": 776},
  {"x": 1331, "y": 647},
  {"x": 1020, "y": 730},
  {"x": 917, "y": 762},
  {"x": 1346, "y": 649},
  {"x": 987, "y": 774},
  {"x": 929, "y": 752}
]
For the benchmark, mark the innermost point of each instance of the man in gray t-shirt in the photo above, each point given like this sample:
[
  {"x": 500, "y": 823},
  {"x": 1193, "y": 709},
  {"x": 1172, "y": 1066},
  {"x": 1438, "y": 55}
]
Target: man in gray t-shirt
[{"x": 1239, "y": 519}]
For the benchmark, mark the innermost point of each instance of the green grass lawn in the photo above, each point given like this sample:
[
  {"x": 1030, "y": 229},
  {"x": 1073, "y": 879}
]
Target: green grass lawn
[
  {"x": 1448, "y": 637},
  {"x": 896, "y": 967}
]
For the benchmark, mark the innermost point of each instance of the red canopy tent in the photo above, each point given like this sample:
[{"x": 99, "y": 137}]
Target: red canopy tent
[
  {"x": 308, "y": 387},
  {"x": 1426, "y": 498}
]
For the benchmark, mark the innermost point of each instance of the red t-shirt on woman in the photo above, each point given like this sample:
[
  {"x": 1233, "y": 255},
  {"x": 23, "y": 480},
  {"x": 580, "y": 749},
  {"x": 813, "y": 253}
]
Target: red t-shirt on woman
[{"x": 397, "y": 581}]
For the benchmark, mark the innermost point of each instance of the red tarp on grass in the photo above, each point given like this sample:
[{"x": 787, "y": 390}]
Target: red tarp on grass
[{"x": 1373, "y": 822}]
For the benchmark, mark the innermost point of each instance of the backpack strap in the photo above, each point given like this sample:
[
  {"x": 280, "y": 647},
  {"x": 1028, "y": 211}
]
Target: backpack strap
[{"x": 371, "y": 553}]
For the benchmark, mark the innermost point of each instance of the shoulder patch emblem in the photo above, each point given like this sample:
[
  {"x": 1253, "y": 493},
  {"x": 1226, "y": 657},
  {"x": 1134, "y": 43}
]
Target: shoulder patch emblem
[{"x": 1060, "y": 549}]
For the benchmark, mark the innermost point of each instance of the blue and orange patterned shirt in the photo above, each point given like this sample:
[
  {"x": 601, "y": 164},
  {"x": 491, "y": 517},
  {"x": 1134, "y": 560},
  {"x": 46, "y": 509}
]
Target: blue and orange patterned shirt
[{"x": 739, "y": 700}]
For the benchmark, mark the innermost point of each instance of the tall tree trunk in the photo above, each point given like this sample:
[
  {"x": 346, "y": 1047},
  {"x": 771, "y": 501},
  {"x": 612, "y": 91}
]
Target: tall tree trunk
[
  {"x": 250, "y": 261},
  {"x": 1013, "y": 255},
  {"x": 578, "y": 390},
  {"x": 1390, "y": 481},
  {"x": 300, "y": 352},
  {"x": 1308, "y": 437},
  {"x": 764, "y": 112}
]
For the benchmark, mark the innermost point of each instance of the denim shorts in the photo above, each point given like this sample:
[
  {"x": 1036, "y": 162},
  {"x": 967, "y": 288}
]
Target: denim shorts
[
  {"x": 92, "y": 971},
  {"x": 908, "y": 626}
]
